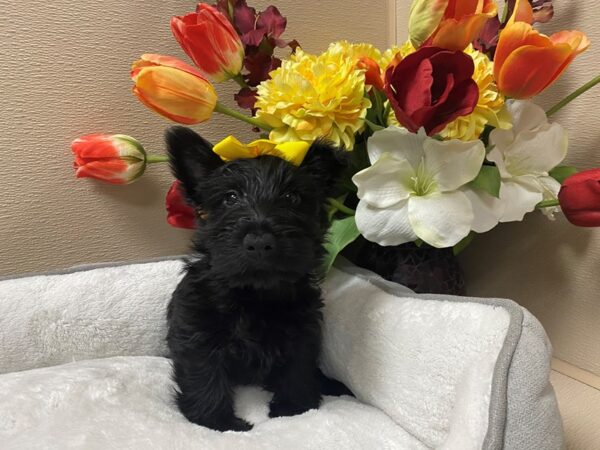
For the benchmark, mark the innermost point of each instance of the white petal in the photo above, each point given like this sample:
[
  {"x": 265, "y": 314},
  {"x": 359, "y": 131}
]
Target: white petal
[
  {"x": 487, "y": 210},
  {"x": 526, "y": 115},
  {"x": 388, "y": 226},
  {"x": 501, "y": 138},
  {"x": 519, "y": 195},
  {"x": 496, "y": 156},
  {"x": 453, "y": 163},
  {"x": 384, "y": 183},
  {"x": 441, "y": 219},
  {"x": 550, "y": 187},
  {"x": 537, "y": 152},
  {"x": 399, "y": 142}
]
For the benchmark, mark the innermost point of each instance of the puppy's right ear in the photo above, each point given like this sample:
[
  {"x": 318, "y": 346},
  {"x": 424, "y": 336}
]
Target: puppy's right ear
[{"x": 191, "y": 158}]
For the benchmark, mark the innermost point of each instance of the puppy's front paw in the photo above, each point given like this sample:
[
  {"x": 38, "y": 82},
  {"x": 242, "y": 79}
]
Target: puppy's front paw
[
  {"x": 231, "y": 424},
  {"x": 281, "y": 408},
  {"x": 237, "y": 424}
]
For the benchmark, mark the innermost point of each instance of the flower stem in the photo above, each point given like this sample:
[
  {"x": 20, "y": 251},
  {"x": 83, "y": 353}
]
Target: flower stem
[
  {"x": 220, "y": 108},
  {"x": 548, "y": 203},
  {"x": 569, "y": 98},
  {"x": 239, "y": 79},
  {"x": 341, "y": 207},
  {"x": 152, "y": 159}
]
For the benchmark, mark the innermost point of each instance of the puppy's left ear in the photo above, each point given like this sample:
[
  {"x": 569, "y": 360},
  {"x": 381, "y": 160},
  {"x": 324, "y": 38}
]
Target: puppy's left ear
[
  {"x": 192, "y": 159},
  {"x": 325, "y": 163}
]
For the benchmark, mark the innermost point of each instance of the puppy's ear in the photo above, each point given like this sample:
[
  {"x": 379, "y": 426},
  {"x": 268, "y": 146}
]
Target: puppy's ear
[
  {"x": 325, "y": 162},
  {"x": 191, "y": 158}
]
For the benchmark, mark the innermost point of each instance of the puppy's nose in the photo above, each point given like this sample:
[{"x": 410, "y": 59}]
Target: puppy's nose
[{"x": 259, "y": 244}]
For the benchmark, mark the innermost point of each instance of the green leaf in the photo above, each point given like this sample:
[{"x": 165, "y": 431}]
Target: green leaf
[
  {"x": 458, "y": 248},
  {"x": 561, "y": 173},
  {"x": 488, "y": 180},
  {"x": 341, "y": 233}
]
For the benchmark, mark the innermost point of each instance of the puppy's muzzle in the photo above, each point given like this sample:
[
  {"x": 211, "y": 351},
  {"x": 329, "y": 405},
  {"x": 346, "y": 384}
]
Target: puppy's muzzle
[{"x": 259, "y": 245}]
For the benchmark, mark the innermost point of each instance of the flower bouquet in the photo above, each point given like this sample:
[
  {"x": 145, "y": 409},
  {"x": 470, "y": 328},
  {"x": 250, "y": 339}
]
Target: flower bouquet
[{"x": 444, "y": 139}]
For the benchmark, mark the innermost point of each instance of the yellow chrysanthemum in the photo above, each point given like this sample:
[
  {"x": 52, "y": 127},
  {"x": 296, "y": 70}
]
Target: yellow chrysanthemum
[
  {"x": 356, "y": 51},
  {"x": 313, "y": 96},
  {"x": 387, "y": 56},
  {"x": 490, "y": 106}
]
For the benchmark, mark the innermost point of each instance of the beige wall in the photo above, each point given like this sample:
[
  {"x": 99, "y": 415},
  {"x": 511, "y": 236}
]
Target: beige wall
[
  {"x": 552, "y": 268},
  {"x": 64, "y": 70}
]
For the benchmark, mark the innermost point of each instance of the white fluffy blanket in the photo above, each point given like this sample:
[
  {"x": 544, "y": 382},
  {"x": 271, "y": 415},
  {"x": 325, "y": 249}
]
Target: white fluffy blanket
[
  {"x": 125, "y": 403},
  {"x": 422, "y": 369}
]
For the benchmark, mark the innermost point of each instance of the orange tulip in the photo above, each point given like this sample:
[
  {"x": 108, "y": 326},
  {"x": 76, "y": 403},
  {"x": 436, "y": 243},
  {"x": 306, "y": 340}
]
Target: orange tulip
[
  {"x": 372, "y": 72},
  {"x": 526, "y": 61},
  {"x": 173, "y": 89},
  {"x": 462, "y": 23},
  {"x": 449, "y": 24}
]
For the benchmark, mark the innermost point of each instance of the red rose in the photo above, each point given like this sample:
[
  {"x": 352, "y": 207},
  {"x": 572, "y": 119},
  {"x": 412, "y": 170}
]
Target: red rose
[
  {"x": 579, "y": 198},
  {"x": 430, "y": 88},
  {"x": 179, "y": 213}
]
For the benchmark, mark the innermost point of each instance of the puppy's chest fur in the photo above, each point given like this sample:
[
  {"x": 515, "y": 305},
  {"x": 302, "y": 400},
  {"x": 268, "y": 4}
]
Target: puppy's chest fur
[
  {"x": 264, "y": 334},
  {"x": 255, "y": 333}
]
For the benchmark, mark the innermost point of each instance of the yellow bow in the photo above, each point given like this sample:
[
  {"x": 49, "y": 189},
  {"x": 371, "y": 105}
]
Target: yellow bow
[{"x": 230, "y": 148}]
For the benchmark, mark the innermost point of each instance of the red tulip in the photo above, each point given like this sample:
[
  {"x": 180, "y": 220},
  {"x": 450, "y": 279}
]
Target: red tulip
[
  {"x": 579, "y": 198},
  {"x": 179, "y": 213},
  {"x": 210, "y": 40},
  {"x": 116, "y": 159},
  {"x": 430, "y": 88}
]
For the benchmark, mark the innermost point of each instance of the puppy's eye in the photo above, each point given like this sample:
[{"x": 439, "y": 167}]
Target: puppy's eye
[
  {"x": 291, "y": 197},
  {"x": 231, "y": 198}
]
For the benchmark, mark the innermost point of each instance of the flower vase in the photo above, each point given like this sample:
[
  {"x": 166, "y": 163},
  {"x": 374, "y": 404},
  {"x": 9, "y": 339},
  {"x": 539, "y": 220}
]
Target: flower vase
[{"x": 424, "y": 269}]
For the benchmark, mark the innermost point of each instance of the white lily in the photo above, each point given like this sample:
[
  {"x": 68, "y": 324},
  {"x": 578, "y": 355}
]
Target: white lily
[
  {"x": 412, "y": 189},
  {"x": 524, "y": 156}
]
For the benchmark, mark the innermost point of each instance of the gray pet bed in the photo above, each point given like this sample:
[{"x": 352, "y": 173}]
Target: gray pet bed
[{"x": 82, "y": 358}]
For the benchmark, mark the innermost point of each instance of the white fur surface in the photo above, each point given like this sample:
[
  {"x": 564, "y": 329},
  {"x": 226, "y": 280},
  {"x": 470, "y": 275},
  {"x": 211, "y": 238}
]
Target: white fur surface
[
  {"x": 126, "y": 403},
  {"x": 427, "y": 363},
  {"x": 112, "y": 311},
  {"x": 424, "y": 366}
]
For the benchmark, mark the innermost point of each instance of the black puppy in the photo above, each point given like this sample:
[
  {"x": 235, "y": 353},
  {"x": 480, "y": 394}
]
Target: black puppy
[{"x": 248, "y": 310}]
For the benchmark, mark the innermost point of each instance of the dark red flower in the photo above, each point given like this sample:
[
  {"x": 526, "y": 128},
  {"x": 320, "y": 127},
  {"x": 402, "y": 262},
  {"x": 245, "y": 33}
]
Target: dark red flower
[
  {"x": 430, "y": 88},
  {"x": 487, "y": 41},
  {"x": 579, "y": 198},
  {"x": 259, "y": 65},
  {"x": 246, "y": 98},
  {"x": 179, "y": 213},
  {"x": 254, "y": 27},
  {"x": 260, "y": 33}
]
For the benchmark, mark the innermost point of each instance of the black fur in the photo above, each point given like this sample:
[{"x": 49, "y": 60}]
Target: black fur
[{"x": 248, "y": 311}]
